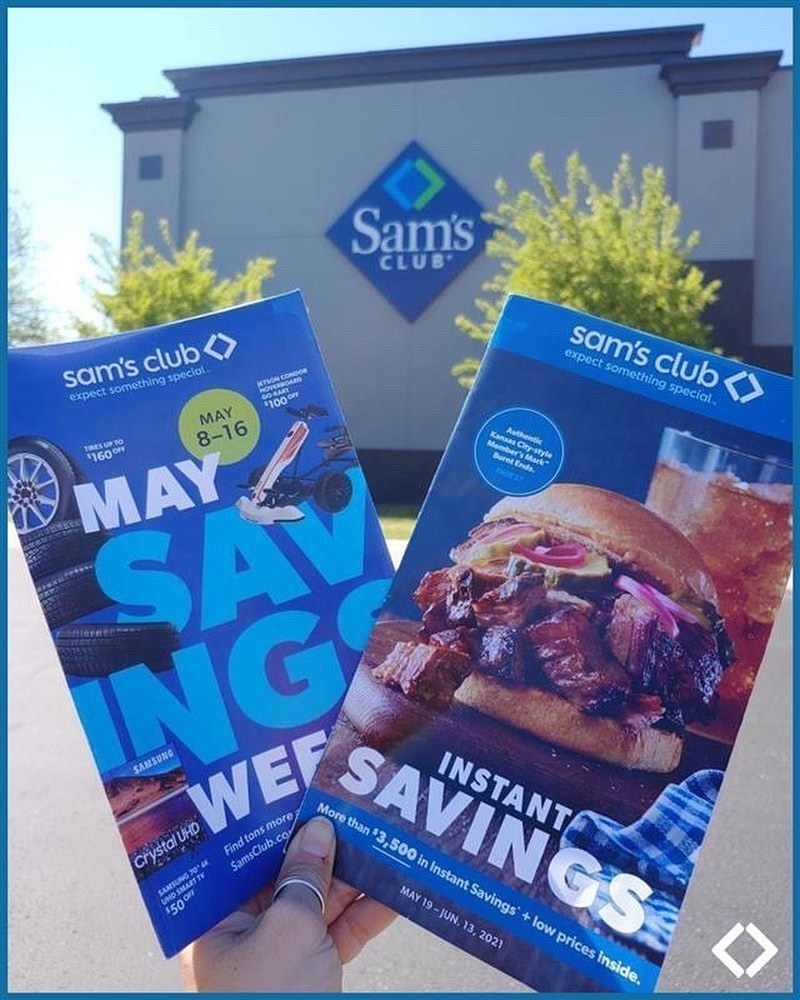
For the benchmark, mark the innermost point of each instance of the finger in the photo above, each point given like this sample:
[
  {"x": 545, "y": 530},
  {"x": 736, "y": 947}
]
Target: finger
[
  {"x": 359, "y": 923},
  {"x": 309, "y": 859},
  {"x": 340, "y": 896},
  {"x": 186, "y": 965},
  {"x": 198, "y": 959},
  {"x": 260, "y": 901}
]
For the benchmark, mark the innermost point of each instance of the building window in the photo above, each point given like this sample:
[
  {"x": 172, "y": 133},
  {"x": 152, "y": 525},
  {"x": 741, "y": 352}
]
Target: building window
[
  {"x": 150, "y": 168},
  {"x": 718, "y": 135}
]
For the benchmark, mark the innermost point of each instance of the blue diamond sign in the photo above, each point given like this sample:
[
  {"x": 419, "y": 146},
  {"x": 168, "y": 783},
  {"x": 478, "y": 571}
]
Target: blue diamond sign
[{"x": 411, "y": 231}]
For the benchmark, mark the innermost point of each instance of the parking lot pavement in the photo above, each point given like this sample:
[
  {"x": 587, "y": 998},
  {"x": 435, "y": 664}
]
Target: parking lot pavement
[{"x": 77, "y": 924}]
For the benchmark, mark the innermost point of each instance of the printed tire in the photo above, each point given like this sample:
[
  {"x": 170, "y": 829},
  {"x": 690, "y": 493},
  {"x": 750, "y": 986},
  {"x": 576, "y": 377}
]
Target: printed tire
[
  {"x": 58, "y": 546},
  {"x": 332, "y": 492},
  {"x": 100, "y": 650},
  {"x": 40, "y": 481},
  {"x": 70, "y": 594}
]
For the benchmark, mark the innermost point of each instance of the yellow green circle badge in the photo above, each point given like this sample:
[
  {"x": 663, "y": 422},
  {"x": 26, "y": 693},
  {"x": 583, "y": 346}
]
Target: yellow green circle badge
[{"x": 219, "y": 420}]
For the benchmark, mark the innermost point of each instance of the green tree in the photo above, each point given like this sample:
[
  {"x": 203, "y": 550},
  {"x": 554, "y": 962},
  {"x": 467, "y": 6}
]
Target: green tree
[
  {"x": 29, "y": 320},
  {"x": 615, "y": 253},
  {"x": 141, "y": 287}
]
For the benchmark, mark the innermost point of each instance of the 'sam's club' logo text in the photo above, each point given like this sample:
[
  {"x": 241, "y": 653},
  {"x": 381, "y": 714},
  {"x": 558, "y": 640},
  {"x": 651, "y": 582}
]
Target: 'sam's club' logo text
[
  {"x": 219, "y": 346},
  {"x": 412, "y": 231}
]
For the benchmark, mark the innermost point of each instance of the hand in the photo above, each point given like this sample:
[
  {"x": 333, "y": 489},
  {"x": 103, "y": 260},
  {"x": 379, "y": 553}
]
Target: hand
[{"x": 288, "y": 945}]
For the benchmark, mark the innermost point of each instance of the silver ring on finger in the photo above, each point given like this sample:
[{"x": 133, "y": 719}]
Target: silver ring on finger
[{"x": 297, "y": 880}]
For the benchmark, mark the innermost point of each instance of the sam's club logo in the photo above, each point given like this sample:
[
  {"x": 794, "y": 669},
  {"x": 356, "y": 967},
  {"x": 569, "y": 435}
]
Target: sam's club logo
[
  {"x": 414, "y": 183},
  {"x": 412, "y": 231}
]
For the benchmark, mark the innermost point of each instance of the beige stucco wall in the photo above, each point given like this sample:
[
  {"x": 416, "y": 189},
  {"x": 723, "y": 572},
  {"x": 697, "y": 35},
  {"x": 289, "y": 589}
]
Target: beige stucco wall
[
  {"x": 267, "y": 174},
  {"x": 158, "y": 199},
  {"x": 773, "y": 310}
]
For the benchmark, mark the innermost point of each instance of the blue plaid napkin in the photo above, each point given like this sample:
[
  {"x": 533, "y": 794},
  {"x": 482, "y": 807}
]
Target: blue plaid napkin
[{"x": 661, "y": 847}]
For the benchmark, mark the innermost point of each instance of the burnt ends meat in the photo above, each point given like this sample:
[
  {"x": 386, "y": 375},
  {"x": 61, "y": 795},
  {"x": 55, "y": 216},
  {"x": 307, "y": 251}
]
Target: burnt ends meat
[
  {"x": 606, "y": 651},
  {"x": 502, "y": 654},
  {"x": 684, "y": 671},
  {"x": 569, "y": 652},
  {"x": 427, "y": 674}
]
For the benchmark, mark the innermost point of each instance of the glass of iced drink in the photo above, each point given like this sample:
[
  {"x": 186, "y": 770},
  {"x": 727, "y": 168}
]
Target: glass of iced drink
[{"x": 737, "y": 511}]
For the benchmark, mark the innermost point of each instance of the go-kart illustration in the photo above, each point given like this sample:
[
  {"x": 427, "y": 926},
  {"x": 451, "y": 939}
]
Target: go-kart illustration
[{"x": 276, "y": 489}]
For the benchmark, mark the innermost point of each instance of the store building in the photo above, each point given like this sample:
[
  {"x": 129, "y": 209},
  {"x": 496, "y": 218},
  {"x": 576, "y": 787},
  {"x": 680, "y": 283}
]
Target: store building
[{"x": 365, "y": 177}]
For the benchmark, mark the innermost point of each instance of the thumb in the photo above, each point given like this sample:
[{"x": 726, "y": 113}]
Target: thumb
[{"x": 308, "y": 863}]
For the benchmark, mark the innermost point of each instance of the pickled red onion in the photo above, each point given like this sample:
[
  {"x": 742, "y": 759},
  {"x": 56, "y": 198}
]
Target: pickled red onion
[
  {"x": 666, "y": 609},
  {"x": 565, "y": 555}
]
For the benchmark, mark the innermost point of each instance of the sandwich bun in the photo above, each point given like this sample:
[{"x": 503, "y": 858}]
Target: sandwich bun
[{"x": 555, "y": 720}]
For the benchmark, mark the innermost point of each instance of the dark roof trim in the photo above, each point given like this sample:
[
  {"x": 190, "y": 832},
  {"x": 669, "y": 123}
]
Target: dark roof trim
[
  {"x": 153, "y": 114},
  {"x": 617, "y": 48},
  {"x": 712, "y": 74}
]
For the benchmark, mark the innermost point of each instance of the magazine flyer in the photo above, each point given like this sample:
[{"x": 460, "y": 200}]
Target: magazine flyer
[
  {"x": 530, "y": 752},
  {"x": 209, "y": 562}
]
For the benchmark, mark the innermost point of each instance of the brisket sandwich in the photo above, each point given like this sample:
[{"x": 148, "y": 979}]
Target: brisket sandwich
[{"x": 576, "y": 615}]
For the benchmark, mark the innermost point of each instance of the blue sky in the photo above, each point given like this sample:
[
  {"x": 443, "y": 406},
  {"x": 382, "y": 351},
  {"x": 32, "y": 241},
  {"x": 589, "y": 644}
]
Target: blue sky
[{"x": 65, "y": 154}]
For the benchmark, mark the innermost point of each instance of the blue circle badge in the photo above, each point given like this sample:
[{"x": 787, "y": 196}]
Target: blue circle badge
[{"x": 519, "y": 451}]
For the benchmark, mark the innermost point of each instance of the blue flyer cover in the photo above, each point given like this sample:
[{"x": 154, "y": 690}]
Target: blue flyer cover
[
  {"x": 530, "y": 752},
  {"x": 209, "y": 563}
]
